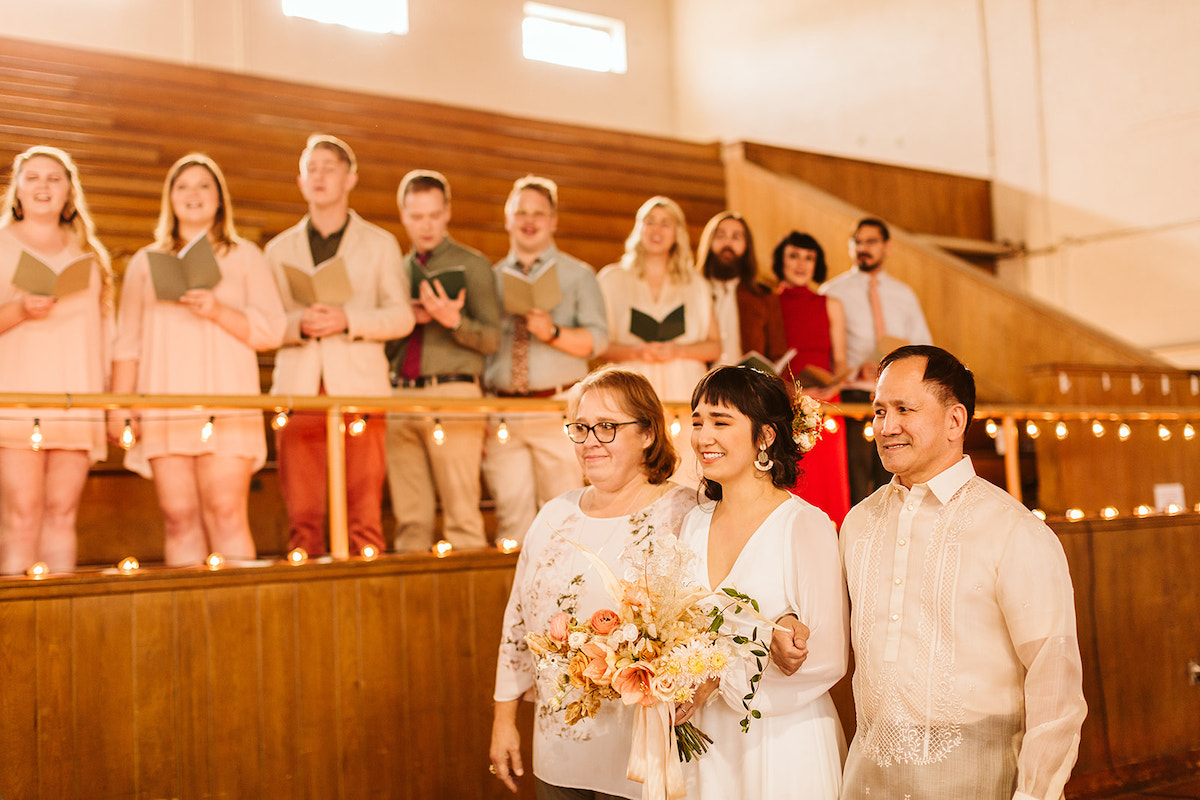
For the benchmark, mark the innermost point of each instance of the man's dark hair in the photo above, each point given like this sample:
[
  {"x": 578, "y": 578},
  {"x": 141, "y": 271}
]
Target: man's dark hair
[
  {"x": 707, "y": 262},
  {"x": 953, "y": 381},
  {"x": 805, "y": 242},
  {"x": 874, "y": 223}
]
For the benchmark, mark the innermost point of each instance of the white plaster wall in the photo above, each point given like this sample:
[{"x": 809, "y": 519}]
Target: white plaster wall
[
  {"x": 460, "y": 52},
  {"x": 1085, "y": 114},
  {"x": 900, "y": 82}
]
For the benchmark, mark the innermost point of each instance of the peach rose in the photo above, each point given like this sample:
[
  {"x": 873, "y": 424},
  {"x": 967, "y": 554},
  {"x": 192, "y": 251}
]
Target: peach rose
[
  {"x": 558, "y": 626},
  {"x": 578, "y": 663},
  {"x": 633, "y": 682},
  {"x": 604, "y": 621}
]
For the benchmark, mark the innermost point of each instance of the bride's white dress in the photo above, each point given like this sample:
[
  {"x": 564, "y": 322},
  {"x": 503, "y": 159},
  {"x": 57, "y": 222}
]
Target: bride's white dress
[{"x": 796, "y": 750}]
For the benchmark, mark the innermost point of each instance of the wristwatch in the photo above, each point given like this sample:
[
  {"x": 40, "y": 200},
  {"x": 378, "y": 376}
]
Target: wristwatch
[{"x": 555, "y": 333}]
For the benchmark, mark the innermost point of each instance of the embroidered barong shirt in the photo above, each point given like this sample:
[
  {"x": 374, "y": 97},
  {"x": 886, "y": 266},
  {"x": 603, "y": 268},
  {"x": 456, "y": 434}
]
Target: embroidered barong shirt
[{"x": 968, "y": 680}]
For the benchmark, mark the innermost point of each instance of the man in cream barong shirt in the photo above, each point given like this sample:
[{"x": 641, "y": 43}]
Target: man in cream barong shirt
[{"x": 968, "y": 679}]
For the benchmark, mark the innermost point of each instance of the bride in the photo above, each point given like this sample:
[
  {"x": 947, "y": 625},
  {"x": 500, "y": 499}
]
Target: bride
[{"x": 782, "y": 551}]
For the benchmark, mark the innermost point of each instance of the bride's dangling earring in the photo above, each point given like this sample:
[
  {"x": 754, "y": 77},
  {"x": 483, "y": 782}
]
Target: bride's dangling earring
[{"x": 762, "y": 461}]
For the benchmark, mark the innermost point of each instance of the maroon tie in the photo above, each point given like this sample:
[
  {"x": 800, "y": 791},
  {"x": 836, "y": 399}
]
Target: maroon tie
[{"x": 411, "y": 367}]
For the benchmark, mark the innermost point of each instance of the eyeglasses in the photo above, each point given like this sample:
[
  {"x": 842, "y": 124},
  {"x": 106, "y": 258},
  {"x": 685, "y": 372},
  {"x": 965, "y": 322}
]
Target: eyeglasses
[{"x": 605, "y": 432}]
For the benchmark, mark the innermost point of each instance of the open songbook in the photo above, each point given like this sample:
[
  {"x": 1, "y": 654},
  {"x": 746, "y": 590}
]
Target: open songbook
[
  {"x": 761, "y": 363},
  {"x": 328, "y": 283},
  {"x": 452, "y": 279},
  {"x": 649, "y": 329},
  {"x": 813, "y": 377},
  {"x": 37, "y": 277},
  {"x": 523, "y": 294},
  {"x": 194, "y": 268}
]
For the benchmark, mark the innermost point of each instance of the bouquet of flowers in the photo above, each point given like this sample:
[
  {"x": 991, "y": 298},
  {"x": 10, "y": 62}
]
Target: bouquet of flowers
[{"x": 658, "y": 645}]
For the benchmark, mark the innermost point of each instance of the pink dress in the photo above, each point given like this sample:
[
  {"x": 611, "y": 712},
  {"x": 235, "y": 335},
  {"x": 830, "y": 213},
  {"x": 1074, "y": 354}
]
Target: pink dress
[
  {"x": 65, "y": 352},
  {"x": 823, "y": 481},
  {"x": 180, "y": 353}
]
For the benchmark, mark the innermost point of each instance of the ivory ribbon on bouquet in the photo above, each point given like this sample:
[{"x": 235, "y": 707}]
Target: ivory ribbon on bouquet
[{"x": 654, "y": 755}]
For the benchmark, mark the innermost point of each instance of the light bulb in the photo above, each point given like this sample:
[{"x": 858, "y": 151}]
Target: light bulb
[
  {"x": 214, "y": 560},
  {"x": 1109, "y": 512},
  {"x": 992, "y": 428},
  {"x": 35, "y": 438},
  {"x": 1031, "y": 429},
  {"x": 869, "y": 432},
  {"x": 1164, "y": 433},
  {"x": 1098, "y": 429},
  {"x": 128, "y": 565},
  {"x": 1143, "y": 511},
  {"x": 280, "y": 419},
  {"x": 1074, "y": 514},
  {"x": 442, "y": 548},
  {"x": 369, "y": 553},
  {"x": 831, "y": 425},
  {"x": 1060, "y": 430},
  {"x": 1037, "y": 512},
  {"x": 1189, "y": 432},
  {"x": 207, "y": 431},
  {"x": 357, "y": 426},
  {"x": 297, "y": 555},
  {"x": 507, "y": 545},
  {"x": 1173, "y": 508},
  {"x": 439, "y": 433},
  {"x": 676, "y": 427},
  {"x": 502, "y": 432},
  {"x": 127, "y": 435},
  {"x": 38, "y": 569},
  {"x": 1124, "y": 432}
]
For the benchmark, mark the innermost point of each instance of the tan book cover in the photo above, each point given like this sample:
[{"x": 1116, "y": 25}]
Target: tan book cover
[
  {"x": 761, "y": 363},
  {"x": 522, "y": 294},
  {"x": 37, "y": 277},
  {"x": 194, "y": 268},
  {"x": 328, "y": 283}
]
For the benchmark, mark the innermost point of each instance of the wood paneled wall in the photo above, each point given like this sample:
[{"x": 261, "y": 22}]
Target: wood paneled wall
[
  {"x": 1088, "y": 472},
  {"x": 327, "y": 681},
  {"x": 126, "y": 120},
  {"x": 917, "y": 200},
  {"x": 997, "y": 331},
  {"x": 373, "y": 680}
]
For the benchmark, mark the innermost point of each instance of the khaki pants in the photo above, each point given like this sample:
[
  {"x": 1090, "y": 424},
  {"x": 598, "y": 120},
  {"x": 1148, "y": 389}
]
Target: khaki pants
[
  {"x": 536, "y": 464},
  {"x": 418, "y": 467}
]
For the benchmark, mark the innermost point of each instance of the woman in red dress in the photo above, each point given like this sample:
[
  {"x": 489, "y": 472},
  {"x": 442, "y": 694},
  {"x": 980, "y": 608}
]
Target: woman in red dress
[{"x": 815, "y": 326}]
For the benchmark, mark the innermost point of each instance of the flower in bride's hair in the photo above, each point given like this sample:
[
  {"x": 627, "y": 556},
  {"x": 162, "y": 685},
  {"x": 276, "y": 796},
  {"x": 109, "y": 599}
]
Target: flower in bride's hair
[
  {"x": 558, "y": 627},
  {"x": 604, "y": 621},
  {"x": 806, "y": 421}
]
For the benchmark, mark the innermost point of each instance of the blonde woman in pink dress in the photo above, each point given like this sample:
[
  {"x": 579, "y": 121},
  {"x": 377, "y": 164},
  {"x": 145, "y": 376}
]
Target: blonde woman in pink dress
[
  {"x": 203, "y": 344},
  {"x": 49, "y": 345}
]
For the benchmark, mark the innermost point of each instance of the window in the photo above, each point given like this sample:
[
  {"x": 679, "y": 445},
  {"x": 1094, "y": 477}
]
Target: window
[
  {"x": 376, "y": 16},
  {"x": 573, "y": 38}
]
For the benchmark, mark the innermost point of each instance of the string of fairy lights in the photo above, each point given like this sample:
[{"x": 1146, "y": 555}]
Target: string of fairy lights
[{"x": 1036, "y": 425}]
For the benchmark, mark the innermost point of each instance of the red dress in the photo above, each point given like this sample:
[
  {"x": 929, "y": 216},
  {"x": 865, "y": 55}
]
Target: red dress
[{"x": 823, "y": 481}]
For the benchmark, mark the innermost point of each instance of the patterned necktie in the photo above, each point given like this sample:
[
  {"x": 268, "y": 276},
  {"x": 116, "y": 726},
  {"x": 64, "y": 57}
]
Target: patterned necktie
[
  {"x": 877, "y": 309},
  {"x": 411, "y": 367},
  {"x": 520, "y": 351}
]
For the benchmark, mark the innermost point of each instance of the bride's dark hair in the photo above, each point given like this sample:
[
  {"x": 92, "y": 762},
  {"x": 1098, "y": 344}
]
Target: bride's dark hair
[{"x": 764, "y": 400}]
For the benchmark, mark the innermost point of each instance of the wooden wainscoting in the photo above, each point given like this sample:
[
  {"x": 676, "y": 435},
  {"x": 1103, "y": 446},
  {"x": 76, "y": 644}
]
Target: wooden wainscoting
[
  {"x": 349, "y": 680},
  {"x": 998, "y": 331}
]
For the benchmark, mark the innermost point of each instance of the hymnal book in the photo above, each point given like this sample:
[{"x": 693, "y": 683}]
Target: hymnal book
[
  {"x": 886, "y": 345},
  {"x": 761, "y": 363},
  {"x": 194, "y": 268},
  {"x": 814, "y": 377},
  {"x": 452, "y": 279},
  {"x": 523, "y": 294},
  {"x": 649, "y": 329},
  {"x": 36, "y": 276},
  {"x": 328, "y": 283}
]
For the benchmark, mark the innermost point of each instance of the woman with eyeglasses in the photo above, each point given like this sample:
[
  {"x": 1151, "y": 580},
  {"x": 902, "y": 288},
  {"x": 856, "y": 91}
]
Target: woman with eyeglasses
[{"x": 618, "y": 427}]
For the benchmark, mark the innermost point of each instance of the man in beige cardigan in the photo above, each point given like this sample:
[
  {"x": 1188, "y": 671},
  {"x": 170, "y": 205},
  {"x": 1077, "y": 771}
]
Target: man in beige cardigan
[{"x": 336, "y": 349}]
